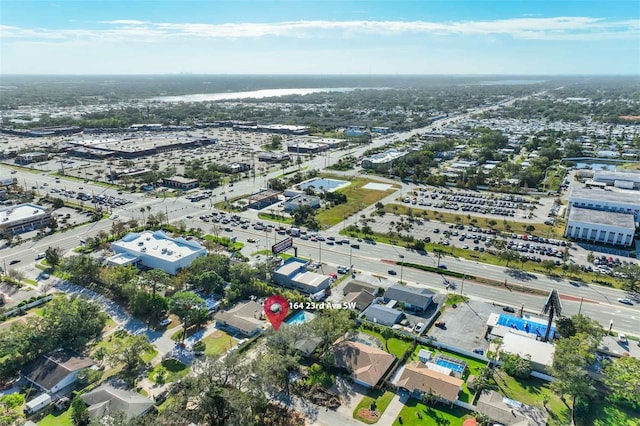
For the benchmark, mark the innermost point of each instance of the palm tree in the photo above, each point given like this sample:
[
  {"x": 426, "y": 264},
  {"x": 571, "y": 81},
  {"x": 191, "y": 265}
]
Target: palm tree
[{"x": 142, "y": 211}]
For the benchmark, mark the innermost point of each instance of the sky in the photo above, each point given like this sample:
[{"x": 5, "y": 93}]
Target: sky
[{"x": 516, "y": 37}]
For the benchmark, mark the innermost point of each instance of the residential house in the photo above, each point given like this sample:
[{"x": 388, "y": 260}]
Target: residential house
[
  {"x": 56, "y": 370},
  {"x": 357, "y": 285},
  {"x": 383, "y": 315},
  {"x": 509, "y": 412},
  {"x": 413, "y": 298},
  {"x": 106, "y": 400},
  {"x": 244, "y": 318},
  {"x": 367, "y": 364},
  {"x": 419, "y": 380},
  {"x": 359, "y": 300}
]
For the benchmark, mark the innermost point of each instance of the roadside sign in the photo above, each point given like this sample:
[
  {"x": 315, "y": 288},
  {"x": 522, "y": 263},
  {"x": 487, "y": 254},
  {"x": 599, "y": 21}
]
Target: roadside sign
[{"x": 281, "y": 246}]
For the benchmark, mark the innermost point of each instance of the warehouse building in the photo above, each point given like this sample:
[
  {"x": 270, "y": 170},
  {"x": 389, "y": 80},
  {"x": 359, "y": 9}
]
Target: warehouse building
[
  {"x": 297, "y": 201},
  {"x": 611, "y": 201},
  {"x": 626, "y": 180},
  {"x": 180, "y": 182},
  {"x": 600, "y": 226}
]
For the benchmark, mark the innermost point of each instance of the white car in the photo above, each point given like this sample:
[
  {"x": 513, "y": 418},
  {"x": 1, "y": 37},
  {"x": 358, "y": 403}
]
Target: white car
[
  {"x": 165, "y": 322},
  {"x": 625, "y": 300}
]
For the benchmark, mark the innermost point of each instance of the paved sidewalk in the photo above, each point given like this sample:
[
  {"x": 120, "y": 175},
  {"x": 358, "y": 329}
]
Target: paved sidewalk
[{"x": 392, "y": 411}]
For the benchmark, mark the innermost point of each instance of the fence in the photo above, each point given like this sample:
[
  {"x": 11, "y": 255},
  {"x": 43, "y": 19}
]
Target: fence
[{"x": 30, "y": 305}]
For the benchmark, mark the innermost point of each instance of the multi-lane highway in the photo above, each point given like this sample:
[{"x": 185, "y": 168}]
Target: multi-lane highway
[{"x": 598, "y": 302}]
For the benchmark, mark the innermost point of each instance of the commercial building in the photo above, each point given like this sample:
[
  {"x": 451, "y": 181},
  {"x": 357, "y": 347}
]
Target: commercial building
[
  {"x": 293, "y": 274},
  {"x": 31, "y": 157},
  {"x": 155, "y": 250},
  {"x": 306, "y": 147},
  {"x": 383, "y": 161},
  {"x": 133, "y": 146},
  {"x": 297, "y": 201},
  {"x": 611, "y": 201},
  {"x": 600, "y": 226},
  {"x": 273, "y": 157},
  {"x": 626, "y": 180},
  {"x": 22, "y": 218},
  {"x": 180, "y": 182},
  {"x": 262, "y": 199}
]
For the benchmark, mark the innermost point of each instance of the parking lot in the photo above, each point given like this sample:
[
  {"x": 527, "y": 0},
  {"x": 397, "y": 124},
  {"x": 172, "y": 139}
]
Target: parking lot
[{"x": 465, "y": 325}]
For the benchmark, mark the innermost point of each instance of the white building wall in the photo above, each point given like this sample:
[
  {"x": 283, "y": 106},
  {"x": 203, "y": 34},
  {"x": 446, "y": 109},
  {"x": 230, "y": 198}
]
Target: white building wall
[{"x": 607, "y": 234}]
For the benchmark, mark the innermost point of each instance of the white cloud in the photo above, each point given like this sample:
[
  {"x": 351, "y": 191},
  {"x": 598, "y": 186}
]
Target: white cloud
[
  {"x": 556, "y": 28},
  {"x": 124, "y": 22}
]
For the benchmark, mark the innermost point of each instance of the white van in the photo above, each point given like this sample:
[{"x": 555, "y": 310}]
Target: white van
[{"x": 40, "y": 256}]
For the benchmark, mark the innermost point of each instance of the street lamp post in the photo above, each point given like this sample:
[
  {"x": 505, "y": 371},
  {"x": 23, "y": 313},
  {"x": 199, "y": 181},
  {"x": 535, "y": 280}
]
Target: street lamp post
[{"x": 401, "y": 266}]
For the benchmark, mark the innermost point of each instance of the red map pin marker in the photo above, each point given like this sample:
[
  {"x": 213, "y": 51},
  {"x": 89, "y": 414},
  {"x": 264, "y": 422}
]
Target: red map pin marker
[{"x": 276, "y": 309}]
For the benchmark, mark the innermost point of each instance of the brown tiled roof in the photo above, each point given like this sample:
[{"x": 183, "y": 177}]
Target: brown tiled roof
[
  {"x": 417, "y": 376},
  {"x": 367, "y": 363},
  {"x": 48, "y": 370},
  {"x": 244, "y": 316}
]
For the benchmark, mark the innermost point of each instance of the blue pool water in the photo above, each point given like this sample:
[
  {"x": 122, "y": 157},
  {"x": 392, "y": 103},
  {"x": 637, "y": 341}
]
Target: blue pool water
[
  {"x": 523, "y": 324},
  {"x": 326, "y": 184},
  {"x": 450, "y": 365},
  {"x": 300, "y": 317}
]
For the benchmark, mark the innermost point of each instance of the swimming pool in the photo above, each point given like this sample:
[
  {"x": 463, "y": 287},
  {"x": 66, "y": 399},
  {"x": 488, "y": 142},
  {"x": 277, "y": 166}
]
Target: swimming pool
[
  {"x": 526, "y": 325},
  {"x": 323, "y": 184},
  {"x": 300, "y": 317},
  {"x": 450, "y": 365}
]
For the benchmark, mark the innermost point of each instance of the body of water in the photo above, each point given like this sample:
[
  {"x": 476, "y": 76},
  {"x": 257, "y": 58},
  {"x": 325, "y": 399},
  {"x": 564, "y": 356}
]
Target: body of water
[
  {"x": 301, "y": 317},
  {"x": 596, "y": 166},
  {"x": 255, "y": 94}
]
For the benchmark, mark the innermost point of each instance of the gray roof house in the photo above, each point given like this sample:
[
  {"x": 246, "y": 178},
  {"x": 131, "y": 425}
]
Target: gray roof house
[
  {"x": 106, "y": 399},
  {"x": 414, "y": 298},
  {"x": 56, "y": 370},
  {"x": 384, "y": 315}
]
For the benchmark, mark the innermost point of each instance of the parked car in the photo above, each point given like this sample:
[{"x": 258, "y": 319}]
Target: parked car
[{"x": 165, "y": 322}]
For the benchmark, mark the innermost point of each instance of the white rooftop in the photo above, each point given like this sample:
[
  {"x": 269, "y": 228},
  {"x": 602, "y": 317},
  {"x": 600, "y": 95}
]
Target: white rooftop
[
  {"x": 540, "y": 352},
  {"x": 21, "y": 212},
  {"x": 158, "y": 244}
]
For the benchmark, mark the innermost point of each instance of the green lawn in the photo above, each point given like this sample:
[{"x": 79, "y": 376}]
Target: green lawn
[
  {"x": 357, "y": 199},
  {"x": 171, "y": 369},
  {"x": 57, "y": 418},
  {"x": 394, "y": 346},
  {"x": 605, "y": 413},
  {"x": 281, "y": 218},
  {"x": 532, "y": 391},
  {"x": 382, "y": 399},
  {"x": 473, "y": 367},
  {"x": 218, "y": 342},
  {"x": 148, "y": 355},
  {"x": 417, "y": 413}
]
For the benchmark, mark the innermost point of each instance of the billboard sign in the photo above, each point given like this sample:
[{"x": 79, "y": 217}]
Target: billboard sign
[{"x": 281, "y": 246}]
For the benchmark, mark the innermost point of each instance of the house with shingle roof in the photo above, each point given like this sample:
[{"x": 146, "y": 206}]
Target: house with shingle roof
[
  {"x": 367, "y": 364},
  {"x": 413, "y": 298},
  {"x": 56, "y": 370},
  {"x": 106, "y": 400},
  {"x": 383, "y": 315},
  {"x": 419, "y": 380},
  {"x": 244, "y": 318}
]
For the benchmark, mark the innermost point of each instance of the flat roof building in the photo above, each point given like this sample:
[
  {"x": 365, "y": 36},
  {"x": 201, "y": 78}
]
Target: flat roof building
[
  {"x": 540, "y": 353},
  {"x": 23, "y": 218},
  {"x": 155, "y": 250},
  {"x": 297, "y": 201},
  {"x": 180, "y": 182},
  {"x": 306, "y": 147},
  {"x": 382, "y": 161},
  {"x": 293, "y": 274},
  {"x": 31, "y": 157},
  {"x": 626, "y": 179},
  {"x": 612, "y": 201},
  {"x": 600, "y": 226}
]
